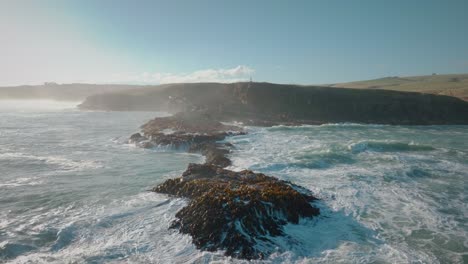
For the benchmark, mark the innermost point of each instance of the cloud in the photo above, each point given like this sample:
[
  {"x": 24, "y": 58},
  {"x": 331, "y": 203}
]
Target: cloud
[{"x": 236, "y": 74}]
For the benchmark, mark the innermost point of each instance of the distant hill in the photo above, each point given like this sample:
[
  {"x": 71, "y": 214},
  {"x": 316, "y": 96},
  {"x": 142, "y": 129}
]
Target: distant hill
[
  {"x": 455, "y": 85},
  {"x": 448, "y": 84},
  {"x": 270, "y": 104},
  {"x": 62, "y": 92}
]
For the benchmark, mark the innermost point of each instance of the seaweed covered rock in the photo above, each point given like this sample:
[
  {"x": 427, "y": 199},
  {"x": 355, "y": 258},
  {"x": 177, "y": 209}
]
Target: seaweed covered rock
[
  {"x": 238, "y": 212},
  {"x": 215, "y": 153},
  {"x": 193, "y": 131}
]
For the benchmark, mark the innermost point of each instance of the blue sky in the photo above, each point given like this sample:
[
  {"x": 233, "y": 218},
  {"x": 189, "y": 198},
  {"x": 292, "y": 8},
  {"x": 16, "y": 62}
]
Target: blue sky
[{"x": 304, "y": 42}]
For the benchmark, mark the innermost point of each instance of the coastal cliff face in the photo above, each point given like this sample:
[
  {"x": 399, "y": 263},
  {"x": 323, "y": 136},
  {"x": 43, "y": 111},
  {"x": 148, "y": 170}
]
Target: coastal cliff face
[
  {"x": 271, "y": 104},
  {"x": 237, "y": 212}
]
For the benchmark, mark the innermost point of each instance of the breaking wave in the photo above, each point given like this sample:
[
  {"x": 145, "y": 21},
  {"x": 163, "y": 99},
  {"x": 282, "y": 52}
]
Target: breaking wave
[
  {"x": 57, "y": 161},
  {"x": 386, "y": 146}
]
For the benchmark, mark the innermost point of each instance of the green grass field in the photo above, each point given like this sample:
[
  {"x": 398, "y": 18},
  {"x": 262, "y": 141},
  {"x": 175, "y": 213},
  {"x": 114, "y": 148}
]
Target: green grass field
[{"x": 449, "y": 84}]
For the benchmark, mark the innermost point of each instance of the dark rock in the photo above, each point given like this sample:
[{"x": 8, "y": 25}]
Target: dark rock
[
  {"x": 137, "y": 137},
  {"x": 194, "y": 131},
  {"x": 214, "y": 153},
  {"x": 146, "y": 144},
  {"x": 235, "y": 211},
  {"x": 199, "y": 123}
]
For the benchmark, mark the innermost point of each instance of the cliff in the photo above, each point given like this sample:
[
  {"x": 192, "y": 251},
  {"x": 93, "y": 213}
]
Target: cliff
[{"x": 270, "y": 104}]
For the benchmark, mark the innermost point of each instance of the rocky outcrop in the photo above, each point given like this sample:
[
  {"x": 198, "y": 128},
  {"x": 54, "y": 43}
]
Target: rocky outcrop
[
  {"x": 191, "y": 123},
  {"x": 236, "y": 211},
  {"x": 191, "y": 131}
]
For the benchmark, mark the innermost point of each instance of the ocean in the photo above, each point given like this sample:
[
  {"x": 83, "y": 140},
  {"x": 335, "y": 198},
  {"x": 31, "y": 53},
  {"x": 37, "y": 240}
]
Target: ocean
[{"x": 73, "y": 191}]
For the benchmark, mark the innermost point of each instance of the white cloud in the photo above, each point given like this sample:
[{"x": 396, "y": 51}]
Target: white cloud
[{"x": 236, "y": 74}]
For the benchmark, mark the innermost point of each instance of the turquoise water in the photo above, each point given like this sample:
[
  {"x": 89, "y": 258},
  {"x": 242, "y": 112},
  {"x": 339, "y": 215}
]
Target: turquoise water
[
  {"x": 390, "y": 194},
  {"x": 73, "y": 191}
]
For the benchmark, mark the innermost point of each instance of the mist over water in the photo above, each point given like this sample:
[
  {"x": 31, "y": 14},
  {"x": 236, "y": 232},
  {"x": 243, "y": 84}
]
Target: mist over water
[
  {"x": 72, "y": 190},
  {"x": 35, "y": 105}
]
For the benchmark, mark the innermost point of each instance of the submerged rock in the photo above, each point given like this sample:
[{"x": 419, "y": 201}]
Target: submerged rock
[{"x": 236, "y": 211}]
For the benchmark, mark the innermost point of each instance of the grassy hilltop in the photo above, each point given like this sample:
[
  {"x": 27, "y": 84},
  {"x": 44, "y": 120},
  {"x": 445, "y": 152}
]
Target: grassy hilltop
[{"x": 448, "y": 84}]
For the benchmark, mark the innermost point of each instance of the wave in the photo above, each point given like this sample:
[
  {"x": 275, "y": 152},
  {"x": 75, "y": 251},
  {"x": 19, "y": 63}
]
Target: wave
[
  {"x": 291, "y": 128},
  {"x": 328, "y": 125},
  {"x": 346, "y": 124},
  {"x": 61, "y": 162},
  {"x": 132, "y": 229},
  {"x": 320, "y": 160},
  {"x": 22, "y": 182},
  {"x": 386, "y": 146}
]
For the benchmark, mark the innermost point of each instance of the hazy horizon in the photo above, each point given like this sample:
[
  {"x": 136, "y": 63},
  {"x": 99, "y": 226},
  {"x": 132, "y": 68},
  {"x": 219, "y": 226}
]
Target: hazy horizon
[{"x": 221, "y": 81}]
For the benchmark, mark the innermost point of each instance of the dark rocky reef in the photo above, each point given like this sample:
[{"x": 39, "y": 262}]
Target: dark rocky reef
[
  {"x": 193, "y": 122},
  {"x": 193, "y": 131},
  {"x": 266, "y": 104},
  {"x": 236, "y": 211}
]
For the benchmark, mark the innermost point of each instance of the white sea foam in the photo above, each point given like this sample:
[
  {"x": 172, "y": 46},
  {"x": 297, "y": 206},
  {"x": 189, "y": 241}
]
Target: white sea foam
[
  {"x": 21, "y": 182},
  {"x": 383, "y": 198},
  {"x": 388, "y": 187},
  {"x": 134, "y": 229},
  {"x": 61, "y": 162}
]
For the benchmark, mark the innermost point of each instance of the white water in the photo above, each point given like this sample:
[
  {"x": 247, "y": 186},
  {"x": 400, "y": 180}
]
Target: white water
[
  {"x": 390, "y": 194},
  {"x": 72, "y": 191}
]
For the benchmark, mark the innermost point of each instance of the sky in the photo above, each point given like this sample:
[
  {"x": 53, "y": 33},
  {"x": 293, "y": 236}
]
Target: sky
[{"x": 300, "y": 42}]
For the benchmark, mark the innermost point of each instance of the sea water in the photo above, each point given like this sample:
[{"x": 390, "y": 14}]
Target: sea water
[{"x": 73, "y": 191}]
